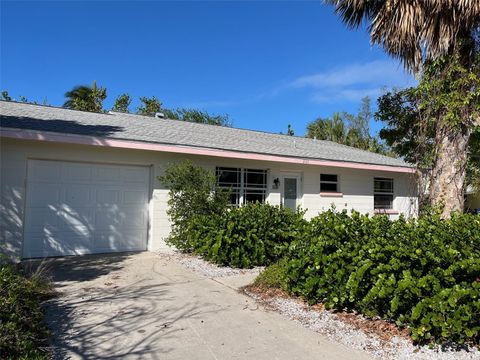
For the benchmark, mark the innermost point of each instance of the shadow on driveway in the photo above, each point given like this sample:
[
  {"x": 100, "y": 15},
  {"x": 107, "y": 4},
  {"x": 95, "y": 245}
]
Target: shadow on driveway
[
  {"x": 108, "y": 308},
  {"x": 78, "y": 268}
]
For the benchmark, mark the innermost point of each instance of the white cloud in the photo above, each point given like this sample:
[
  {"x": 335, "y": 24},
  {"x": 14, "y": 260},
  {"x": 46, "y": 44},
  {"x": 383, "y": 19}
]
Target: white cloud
[
  {"x": 351, "y": 95},
  {"x": 352, "y": 82}
]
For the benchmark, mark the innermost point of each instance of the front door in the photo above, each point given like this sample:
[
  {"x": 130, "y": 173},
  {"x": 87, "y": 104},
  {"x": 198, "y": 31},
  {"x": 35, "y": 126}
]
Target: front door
[{"x": 290, "y": 191}]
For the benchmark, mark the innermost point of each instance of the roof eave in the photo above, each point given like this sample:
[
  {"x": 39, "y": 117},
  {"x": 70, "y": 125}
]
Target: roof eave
[{"x": 180, "y": 149}]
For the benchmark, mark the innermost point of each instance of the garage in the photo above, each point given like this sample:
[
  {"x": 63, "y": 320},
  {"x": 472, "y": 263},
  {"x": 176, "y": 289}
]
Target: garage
[{"x": 75, "y": 208}]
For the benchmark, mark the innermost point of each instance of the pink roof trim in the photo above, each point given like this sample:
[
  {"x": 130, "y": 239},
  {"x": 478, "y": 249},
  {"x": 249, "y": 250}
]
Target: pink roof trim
[{"x": 126, "y": 144}]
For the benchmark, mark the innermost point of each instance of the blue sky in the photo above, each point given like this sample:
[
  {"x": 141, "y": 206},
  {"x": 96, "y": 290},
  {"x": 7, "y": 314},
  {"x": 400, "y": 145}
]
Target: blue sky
[{"x": 266, "y": 64}]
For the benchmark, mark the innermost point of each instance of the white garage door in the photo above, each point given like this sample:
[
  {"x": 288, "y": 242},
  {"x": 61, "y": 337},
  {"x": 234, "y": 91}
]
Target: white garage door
[{"x": 83, "y": 208}]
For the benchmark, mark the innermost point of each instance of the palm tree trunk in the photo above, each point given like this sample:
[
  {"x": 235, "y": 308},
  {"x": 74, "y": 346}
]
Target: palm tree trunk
[{"x": 449, "y": 169}]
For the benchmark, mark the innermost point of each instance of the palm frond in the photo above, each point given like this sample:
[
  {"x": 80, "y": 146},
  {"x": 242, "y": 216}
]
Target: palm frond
[{"x": 416, "y": 30}]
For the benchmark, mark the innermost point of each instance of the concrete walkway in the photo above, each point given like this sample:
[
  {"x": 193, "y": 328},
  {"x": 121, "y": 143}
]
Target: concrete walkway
[{"x": 142, "y": 306}]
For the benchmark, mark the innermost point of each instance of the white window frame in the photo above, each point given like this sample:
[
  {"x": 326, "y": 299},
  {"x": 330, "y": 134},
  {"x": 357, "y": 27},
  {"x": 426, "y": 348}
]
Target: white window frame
[
  {"x": 383, "y": 193},
  {"x": 337, "y": 183},
  {"x": 242, "y": 187}
]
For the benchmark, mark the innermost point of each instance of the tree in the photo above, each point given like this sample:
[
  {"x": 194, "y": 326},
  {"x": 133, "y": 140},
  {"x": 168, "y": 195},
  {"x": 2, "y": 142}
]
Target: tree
[
  {"x": 332, "y": 129},
  {"x": 5, "y": 96},
  {"x": 122, "y": 103},
  {"x": 290, "y": 131},
  {"x": 192, "y": 192},
  {"x": 197, "y": 116},
  {"x": 86, "y": 98},
  {"x": 150, "y": 106},
  {"x": 415, "y": 140},
  {"x": 348, "y": 129},
  {"x": 438, "y": 39}
]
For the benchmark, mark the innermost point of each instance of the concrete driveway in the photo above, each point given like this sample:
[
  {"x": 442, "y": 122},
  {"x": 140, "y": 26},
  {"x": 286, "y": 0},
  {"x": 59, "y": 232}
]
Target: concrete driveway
[{"x": 144, "y": 306}]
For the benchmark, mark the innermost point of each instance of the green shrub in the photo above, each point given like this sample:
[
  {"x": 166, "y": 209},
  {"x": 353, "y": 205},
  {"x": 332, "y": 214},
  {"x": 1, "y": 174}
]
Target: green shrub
[
  {"x": 421, "y": 273},
  {"x": 251, "y": 235},
  {"x": 274, "y": 276},
  {"x": 192, "y": 193},
  {"x": 22, "y": 331}
]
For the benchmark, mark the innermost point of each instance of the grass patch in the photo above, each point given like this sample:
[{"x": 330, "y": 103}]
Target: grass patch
[{"x": 23, "y": 333}]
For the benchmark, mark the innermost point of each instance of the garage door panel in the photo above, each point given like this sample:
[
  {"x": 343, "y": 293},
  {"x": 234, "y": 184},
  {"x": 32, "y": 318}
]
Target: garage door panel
[
  {"x": 44, "y": 194},
  {"x": 42, "y": 245},
  {"x": 134, "y": 197},
  {"x": 107, "y": 196},
  {"x": 139, "y": 176},
  {"x": 89, "y": 208},
  {"x": 130, "y": 238},
  {"x": 42, "y": 218},
  {"x": 107, "y": 174},
  {"x": 111, "y": 241},
  {"x": 135, "y": 219},
  {"x": 108, "y": 220},
  {"x": 79, "y": 217},
  {"x": 78, "y": 195},
  {"x": 46, "y": 171},
  {"x": 77, "y": 173}
]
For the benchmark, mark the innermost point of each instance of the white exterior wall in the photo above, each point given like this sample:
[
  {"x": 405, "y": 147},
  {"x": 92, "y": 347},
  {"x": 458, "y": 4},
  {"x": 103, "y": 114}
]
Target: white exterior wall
[{"x": 356, "y": 185}]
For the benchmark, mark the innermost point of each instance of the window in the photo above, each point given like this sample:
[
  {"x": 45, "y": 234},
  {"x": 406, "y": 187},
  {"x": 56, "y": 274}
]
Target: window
[
  {"x": 328, "y": 183},
  {"x": 383, "y": 193},
  {"x": 245, "y": 185}
]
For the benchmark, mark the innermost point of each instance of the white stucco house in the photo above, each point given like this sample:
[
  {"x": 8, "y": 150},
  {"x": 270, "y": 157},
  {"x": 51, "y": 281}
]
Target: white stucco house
[{"x": 75, "y": 182}]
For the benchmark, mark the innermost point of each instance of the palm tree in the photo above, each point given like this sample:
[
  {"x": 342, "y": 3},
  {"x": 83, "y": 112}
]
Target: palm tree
[
  {"x": 86, "y": 98},
  {"x": 419, "y": 33},
  {"x": 331, "y": 129},
  {"x": 78, "y": 93}
]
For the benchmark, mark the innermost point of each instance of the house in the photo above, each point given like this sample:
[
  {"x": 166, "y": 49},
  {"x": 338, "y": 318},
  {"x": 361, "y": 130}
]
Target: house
[
  {"x": 472, "y": 200},
  {"x": 75, "y": 182}
]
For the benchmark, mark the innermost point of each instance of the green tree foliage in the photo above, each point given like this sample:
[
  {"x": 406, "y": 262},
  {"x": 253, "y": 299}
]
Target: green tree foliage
[
  {"x": 197, "y": 116},
  {"x": 150, "y": 106},
  {"x": 348, "y": 129},
  {"x": 192, "y": 192},
  {"x": 122, "y": 103},
  {"x": 331, "y": 129},
  {"x": 290, "y": 131},
  {"x": 412, "y": 117},
  {"x": 398, "y": 109},
  {"x": 5, "y": 96},
  {"x": 86, "y": 98}
]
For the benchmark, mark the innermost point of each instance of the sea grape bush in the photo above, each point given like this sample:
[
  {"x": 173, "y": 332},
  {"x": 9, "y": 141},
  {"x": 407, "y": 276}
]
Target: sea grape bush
[
  {"x": 422, "y": 273},
  {"x": 251, "y": 235}
]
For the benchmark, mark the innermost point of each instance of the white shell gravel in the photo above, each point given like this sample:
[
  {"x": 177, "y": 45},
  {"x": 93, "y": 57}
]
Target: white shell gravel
[{"x": 207, "y": 269}]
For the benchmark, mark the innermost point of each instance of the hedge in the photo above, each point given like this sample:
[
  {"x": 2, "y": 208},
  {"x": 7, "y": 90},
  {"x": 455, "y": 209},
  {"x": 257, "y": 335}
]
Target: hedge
[
  {"x": 422, "y": 273},
  {"x": 251, "y": 235},
  {"x": 23, "y": 333}
]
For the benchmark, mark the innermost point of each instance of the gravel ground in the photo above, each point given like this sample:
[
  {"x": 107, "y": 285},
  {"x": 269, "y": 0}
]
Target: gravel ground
[
  {"x": 329, "y": 324},
  {"x": 204, "y": 268}
]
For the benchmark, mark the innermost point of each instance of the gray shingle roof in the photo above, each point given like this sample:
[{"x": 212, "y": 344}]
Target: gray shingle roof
[{"x": 175, "y": 132}]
